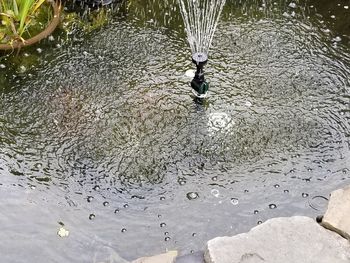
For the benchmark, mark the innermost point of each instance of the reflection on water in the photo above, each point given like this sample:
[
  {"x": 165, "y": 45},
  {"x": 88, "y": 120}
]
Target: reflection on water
[{"x": 103, "y": 134}]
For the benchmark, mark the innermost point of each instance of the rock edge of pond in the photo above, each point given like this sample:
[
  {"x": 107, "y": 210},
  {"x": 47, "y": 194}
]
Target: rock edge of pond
[{"x": 282, "y": 239}]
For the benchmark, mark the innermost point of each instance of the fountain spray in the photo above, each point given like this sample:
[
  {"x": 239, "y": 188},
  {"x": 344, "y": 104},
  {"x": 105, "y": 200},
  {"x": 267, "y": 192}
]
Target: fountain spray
[{"x": 200, "y": 18}]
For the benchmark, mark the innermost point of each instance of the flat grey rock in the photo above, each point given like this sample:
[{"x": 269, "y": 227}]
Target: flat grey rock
[
  {"x": 337, "y": 217},
  {"x": 168, "y": 257},
  {"x": 196, "y": 257},
  {"x": 287, "y": 240}
]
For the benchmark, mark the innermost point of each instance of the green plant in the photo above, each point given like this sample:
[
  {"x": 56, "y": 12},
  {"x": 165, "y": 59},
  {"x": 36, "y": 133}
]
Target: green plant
[{"x": 16, "y": 16}]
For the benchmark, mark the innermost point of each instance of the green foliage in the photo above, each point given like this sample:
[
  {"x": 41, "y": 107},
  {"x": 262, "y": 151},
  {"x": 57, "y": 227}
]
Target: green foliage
[{"x": 16, "y": 16}]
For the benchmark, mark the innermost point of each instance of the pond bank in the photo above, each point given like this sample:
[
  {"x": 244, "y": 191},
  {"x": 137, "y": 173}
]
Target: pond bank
[{"x": 283, "y": 239}]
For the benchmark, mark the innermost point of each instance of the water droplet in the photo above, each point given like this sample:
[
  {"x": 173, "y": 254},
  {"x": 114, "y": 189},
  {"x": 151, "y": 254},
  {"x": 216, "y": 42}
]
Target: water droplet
[
  {"x": 248, "y": 104},
  {"x": 192, "y": 195},
  {"x": 276, "y": 185},
  {"x": 125, "y": 205},
  {"x": 105, "y": 203},
  {"x": 215, "y": 193},
  {"x": 304, "y": 195},
  {"x": 292, "y": 5},
  {"x": 162, "y": 198},
  {"x": 162, "y": 225},
  {"x": 123, "y": 230},
  {"x": 234, "y": 201},
  {"x": 181, "y": 181},
  {"x": 256, "y": 212},
  {"x": 116, "y": 211},
  {"x": 91, "y": 216},
  {"x": 272, "y": 206},
  {"x": 166, "y": 238}
]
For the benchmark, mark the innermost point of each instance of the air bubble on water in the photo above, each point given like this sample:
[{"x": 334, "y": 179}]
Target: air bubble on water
[
  {"x": 215, "y": 193},
  {"x": 91, "y": 216},
  {"x": 89, "y": 198},
  {"x": 105, "y": 203},
  {"x": 259, "y": 222},
  {"x": 116, "y": 211},
  {"x": 192, "y": 195},
  {"x": 272, "y": 206},
  {"x": 194, "y": 234},
  {"x": 286, "y": 191},
  {"x": 123, "y": 230},
  {"x": 166, "y": 238},
  {"x": 181, "y": 181},
  {"x": 162, "y": 224},
  {"x": 125, "y": 205},
  {"x": 276, "y": 185},
  {"x": 214, "y": 178},
  {"x": 162, "y": 198},
  {"x": 304, "y": 195},
  {"x": 234, "y": 201},
  {"x": 96, "y": 188},
  {"x": 256, "y": 212},
  {"x": 166, "y": 233}
]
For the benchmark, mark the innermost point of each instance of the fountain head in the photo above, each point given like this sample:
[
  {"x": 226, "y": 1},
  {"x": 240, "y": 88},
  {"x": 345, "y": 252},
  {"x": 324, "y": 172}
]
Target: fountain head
[
  {"x": 200, "y": 59},
  {"x": 199, "y": 85}
]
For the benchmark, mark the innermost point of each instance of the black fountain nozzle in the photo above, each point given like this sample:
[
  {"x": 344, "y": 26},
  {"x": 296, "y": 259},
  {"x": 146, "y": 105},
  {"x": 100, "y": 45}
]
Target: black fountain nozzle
[{"x": 198, "y": 84}]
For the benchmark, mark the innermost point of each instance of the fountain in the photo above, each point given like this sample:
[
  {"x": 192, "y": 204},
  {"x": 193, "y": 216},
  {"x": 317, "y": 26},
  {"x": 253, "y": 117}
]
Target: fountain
[{"x": 200, "y": 18}]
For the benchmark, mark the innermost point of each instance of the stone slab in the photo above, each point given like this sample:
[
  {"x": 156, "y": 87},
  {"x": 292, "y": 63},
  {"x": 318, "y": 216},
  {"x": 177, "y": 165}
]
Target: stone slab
[
  {"x": 168, "y": 257},
  {"x": 287, "y": 240},
  {"x": 337, "y": 217},
  {"x": 196, "y": 257}
]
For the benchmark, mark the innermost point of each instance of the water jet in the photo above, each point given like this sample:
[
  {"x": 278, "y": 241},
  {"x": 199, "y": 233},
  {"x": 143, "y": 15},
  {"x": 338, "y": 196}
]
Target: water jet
[{"x": 200, "y": 18}]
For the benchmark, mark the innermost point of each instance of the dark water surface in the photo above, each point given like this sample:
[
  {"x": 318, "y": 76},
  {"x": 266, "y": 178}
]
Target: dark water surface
[{"x": 105, "y": 125}]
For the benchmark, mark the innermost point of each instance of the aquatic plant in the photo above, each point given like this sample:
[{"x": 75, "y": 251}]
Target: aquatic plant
[{"x": 16, "y": 17}]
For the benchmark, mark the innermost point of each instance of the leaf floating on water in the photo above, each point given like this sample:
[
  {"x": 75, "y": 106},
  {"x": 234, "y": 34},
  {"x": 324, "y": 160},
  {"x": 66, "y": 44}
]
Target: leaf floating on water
[{"x": 62, "y": 232}]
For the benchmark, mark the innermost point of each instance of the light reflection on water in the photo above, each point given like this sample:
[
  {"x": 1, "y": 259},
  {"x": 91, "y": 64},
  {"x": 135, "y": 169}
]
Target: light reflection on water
[{"x": 111, "y": 120}]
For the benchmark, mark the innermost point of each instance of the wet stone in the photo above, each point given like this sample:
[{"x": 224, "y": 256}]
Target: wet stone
[
  {"x": 286, "y": 240},
  {"x": 337, "y": 216},
  {"x": 168, "y": 257}
]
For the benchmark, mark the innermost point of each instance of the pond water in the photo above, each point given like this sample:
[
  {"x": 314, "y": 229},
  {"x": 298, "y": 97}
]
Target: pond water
[{"x": 102, "y": 134}]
